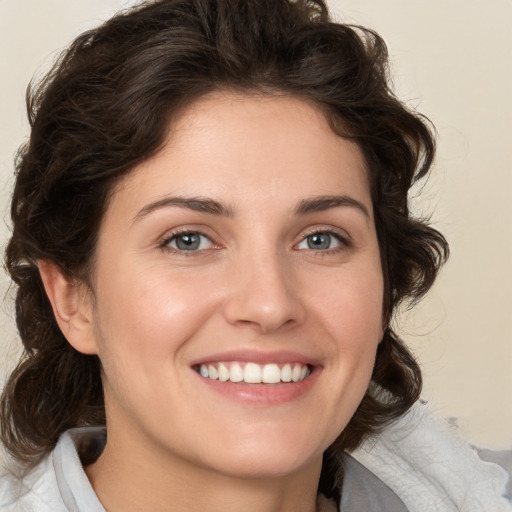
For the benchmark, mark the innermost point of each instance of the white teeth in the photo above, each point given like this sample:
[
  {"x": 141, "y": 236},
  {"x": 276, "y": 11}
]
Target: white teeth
[
  {"x": 212, "y": 372},
  {"x": 296, "y": 373},
  {"x": 286, "y": 373},
  {"x": 252, "y": 373},
  {"x": 236, "y": 374},
  {"x": 271, "y": 374},
  {"x": 223, "y": 373}
]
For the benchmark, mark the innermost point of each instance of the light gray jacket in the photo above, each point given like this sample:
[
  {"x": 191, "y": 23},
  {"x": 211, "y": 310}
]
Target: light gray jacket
[{"x": 416, "y": 465}]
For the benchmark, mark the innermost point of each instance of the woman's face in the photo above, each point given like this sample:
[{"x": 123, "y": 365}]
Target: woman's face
[{"x": 244, "y": 250}]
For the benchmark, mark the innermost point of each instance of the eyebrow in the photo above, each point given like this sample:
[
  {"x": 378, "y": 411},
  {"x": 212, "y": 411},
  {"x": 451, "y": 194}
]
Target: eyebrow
[
  {"x": 213, "y": 207},
  {"x": 197, "y": 204},
  {"x": 322, "y": 203}
]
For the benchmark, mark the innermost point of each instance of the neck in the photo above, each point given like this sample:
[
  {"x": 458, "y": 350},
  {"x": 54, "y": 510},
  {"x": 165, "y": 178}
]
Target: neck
[{"x": 131, "y": 478}]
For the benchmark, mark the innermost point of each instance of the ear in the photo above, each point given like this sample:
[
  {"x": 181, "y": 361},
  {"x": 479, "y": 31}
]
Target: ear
[{"x": 72, "y": 307}]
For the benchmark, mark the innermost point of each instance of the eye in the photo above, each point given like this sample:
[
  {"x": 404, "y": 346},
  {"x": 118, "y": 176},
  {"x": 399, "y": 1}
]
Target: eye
[
  {"x": 188, "y": 241},
  {"x": 321, "y": 241}
]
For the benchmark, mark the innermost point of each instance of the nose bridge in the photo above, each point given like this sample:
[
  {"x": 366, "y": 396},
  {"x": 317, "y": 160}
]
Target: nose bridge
[{"x": 262, "y": 290}]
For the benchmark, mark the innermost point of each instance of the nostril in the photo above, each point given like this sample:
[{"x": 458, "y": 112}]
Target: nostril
[{"x": 260, "y": 296}]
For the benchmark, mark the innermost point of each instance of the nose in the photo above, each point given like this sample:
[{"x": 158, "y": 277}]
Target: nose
[{"x": 263, "y": 294}]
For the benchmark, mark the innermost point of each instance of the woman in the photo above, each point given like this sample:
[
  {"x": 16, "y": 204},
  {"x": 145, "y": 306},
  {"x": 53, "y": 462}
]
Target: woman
[{"x": 210, "y": 236}]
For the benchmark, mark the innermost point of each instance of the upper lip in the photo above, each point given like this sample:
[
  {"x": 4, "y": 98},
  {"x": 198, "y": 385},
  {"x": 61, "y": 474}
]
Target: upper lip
[{"x": 257, "y": 356}]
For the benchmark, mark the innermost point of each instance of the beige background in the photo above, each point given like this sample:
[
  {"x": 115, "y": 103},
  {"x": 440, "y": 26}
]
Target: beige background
[{"x": 451, "y": 60}]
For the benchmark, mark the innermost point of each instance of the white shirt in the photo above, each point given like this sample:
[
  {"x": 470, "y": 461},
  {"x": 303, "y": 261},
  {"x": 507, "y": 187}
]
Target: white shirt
[{"x": 416, "y": 461}]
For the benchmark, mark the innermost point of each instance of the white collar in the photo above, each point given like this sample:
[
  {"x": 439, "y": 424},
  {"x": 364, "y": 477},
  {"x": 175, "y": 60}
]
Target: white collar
[{"x": 432, "y": 469}]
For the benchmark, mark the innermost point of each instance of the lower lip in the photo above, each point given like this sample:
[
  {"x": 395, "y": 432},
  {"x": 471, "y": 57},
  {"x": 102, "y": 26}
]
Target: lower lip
[{"x": 263, "y": 394}]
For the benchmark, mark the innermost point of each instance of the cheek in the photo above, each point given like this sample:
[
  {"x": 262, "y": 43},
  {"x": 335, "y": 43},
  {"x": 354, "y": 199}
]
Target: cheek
[
  {"x": 350, "y": 310},
  {"x": 351, "y": 302},
  {"x": 142, "y": 320}
]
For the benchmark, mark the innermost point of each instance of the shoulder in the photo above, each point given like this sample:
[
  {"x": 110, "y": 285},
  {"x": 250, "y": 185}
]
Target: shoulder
[
  {"x": 58, "y": 483},
  {"x": 431, "y": 468},
  {"x": 35, "y": 490}
]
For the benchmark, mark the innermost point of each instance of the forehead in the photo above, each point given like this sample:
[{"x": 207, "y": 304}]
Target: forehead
[{"x": 248, "y": 147}]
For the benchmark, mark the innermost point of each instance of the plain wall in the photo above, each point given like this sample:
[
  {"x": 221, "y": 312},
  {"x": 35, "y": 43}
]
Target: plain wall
[{"x": 451, "y": 60}]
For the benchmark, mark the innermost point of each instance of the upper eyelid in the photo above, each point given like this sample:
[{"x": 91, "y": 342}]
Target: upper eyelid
[
  {"x": 165, "y": 243},
  {"x": 338, "y": 232},
  {"x": 172, "y": 233},
  {"x": 186, "y": 232},
  {"x": 343, "y": 238}
]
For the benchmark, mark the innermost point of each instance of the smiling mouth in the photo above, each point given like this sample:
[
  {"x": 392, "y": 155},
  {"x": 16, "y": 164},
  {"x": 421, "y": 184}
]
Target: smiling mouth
[{"x": 253, "y": 373}]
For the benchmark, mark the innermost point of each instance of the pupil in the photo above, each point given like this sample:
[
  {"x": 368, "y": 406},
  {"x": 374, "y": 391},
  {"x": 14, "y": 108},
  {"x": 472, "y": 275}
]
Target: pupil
[
  {"x": 319, "y": 241},
  {"x": 187, "y": 242}
]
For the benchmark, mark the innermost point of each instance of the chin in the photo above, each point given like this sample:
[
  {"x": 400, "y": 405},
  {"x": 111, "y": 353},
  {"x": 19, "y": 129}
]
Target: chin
[
  {"x": 276, "y": 465},
  {"x": 270, "y": 455}
]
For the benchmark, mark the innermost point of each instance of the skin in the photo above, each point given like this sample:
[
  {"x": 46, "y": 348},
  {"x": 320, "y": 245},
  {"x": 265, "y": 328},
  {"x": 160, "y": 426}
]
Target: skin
[{"x": 255, "y": 284}]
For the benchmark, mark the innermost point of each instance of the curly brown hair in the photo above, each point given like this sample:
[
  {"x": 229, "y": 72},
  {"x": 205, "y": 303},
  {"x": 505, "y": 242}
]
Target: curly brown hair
[{"x": 106, "y": 106}]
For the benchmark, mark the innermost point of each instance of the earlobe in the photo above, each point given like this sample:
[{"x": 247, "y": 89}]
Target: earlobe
[{"x": 71, "y": 306}]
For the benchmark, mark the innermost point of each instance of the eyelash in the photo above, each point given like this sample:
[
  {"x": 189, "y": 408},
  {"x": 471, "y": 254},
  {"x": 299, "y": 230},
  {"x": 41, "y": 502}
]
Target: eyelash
[
  {"x": 344, "y": 242},
  {"x": 164, "y": 245}
]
